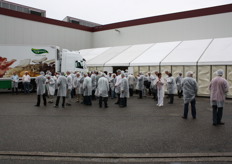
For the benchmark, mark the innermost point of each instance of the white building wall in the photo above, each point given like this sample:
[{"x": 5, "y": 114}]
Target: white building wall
[
  {"x": 213, "y": 26},
  {"x": 26, "y": 32}
]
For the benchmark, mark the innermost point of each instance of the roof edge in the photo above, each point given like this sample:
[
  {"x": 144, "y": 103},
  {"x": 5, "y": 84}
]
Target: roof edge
[{"x": 168, "y": 17}]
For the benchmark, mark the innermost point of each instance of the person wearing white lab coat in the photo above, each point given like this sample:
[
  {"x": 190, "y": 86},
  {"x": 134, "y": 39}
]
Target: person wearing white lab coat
[
  {"x": 94, "y": 84},
  {"x": 50, "y": 85},
  {"x": 171, "y": 88},
  {"x": 124, "y": 91},
  {"x": 15, "y": 81},
  {"x": 69, "y": 89},
  {"x": 153, "y": 85},
  {"x": 140, "y": 84},
  {"x": 103, "y": 90},
  {"x": 117, "y": 85},
  {"x": 178, "y": 85},
  {"x": 77, "y": 86},
  {"x": 62, "y": 89},
  {"x": 159, "y": 82},
  {"x": 131, "y": 81},
  {"x": 190, "y": 89},
  {"x": 40, "y": 82},
  {"x": 87, "y": 90}
]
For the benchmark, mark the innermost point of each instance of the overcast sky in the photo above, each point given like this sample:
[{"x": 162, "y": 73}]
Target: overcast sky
[{"x": 111, "y": 11}]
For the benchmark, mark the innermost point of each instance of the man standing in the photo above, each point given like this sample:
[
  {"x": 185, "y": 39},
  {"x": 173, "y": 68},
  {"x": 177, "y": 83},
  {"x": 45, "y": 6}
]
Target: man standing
[
  {"x": 26, "y": 82},
  {"x": 15, "y": 81},
  {"x": 40, "y": 82},
  {"x": 69, "y": 89},
  {"x": 178, "y": 84},
  {"x": 62, "y": 89},
  {"x": 171, "y": 88},
  {"x": 131, "y": 81},
  {"x": 87, "y": 88},
  {"x": 94, "y": 84},
  {"x": 140, "y": 84},
  {"x": 117, "y": 85},
  {"x": 159, "y": 82},
  {"x": 190, "y": 88},
  {"x": 218, "y": 89},
  {"x": 124, "y": 91},
  {"x": 50, "y": 85},
  {"x": 103, "y": 89}
]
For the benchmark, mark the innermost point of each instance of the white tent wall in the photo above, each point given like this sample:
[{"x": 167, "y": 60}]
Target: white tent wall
[
  {"x": 108, "y": 69},
  {"x": 154, "y": 69},
  {"x": 191, "y": 68},
  {"x": 176, "y": 70},
  {"x": 229, "y": 79},
  {"x": 204, "y": 78},
  {"x": 144, "y": 69}
]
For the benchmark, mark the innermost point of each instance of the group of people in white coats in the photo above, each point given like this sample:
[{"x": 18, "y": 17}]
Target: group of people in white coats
[
  {"x": 98, "y": 84},
  {"x": 85, "y": 86}
]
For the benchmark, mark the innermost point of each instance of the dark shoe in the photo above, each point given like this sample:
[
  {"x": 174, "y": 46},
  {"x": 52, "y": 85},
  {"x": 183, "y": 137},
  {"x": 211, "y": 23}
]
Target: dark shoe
[
  {"x": 37, "y": 105},
  {"x": 100, "y": 106},
  {"x": 62, "y": 106},
  {"x": 45, "y": 104},
  {"x": 106, "y": 106},
  {"x": 68, "y": 104},
  {"x": 116, "y": 103},
  {"x": 221, "y": 123},
  {"x": 184, "y": 117},
  {"x": 55, "y": 106},
  {"x": 214, "y": 124},
  {"x": 194, "y": 117}
]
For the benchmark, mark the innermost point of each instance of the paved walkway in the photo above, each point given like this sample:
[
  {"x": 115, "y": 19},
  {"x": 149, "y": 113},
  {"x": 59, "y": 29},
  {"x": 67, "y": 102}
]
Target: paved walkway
[{"x": 140, "y": 129}]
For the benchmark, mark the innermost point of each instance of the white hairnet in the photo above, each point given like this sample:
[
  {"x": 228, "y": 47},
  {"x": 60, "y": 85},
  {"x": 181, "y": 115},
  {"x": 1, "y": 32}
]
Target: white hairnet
[{"x": 220, "y": 72}]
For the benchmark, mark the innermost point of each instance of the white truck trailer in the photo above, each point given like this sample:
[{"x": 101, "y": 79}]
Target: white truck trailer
[{"x": 34, "y": 59}]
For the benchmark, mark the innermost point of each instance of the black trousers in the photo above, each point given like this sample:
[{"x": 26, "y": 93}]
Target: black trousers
[
  {"x": 93, "y": 95},
  {"x": 87, "y": 100},
  {"x": 217, "y": 114},
  {"x": 44, "y": 99},
  {"x": 123, "y": 102},
  {"x": 58, "y": 100},
  {"x": 131, "y": 91},
  {"x": 171, "y": 98},
  {"x": 140, "y": 94},
  {"x": 105, "y": 100},
  {"x": 180, "y": 93},
  {"x": 118, "y": 101}
]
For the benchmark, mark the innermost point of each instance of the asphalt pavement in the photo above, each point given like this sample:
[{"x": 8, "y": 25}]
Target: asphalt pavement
[{"x": 139, "y": 133}]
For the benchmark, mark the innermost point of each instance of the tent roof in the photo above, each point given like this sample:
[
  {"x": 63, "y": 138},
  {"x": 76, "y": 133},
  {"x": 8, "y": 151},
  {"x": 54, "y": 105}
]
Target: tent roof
[
  {"x": 101, "y": 59},
  {"x": 218, "y": 53},
  {"x": 89, "y": 54},
  {"x": 128, "y": 55},
  {"x": 187, "y": 53},
  {"x": 155, "y": 54}
]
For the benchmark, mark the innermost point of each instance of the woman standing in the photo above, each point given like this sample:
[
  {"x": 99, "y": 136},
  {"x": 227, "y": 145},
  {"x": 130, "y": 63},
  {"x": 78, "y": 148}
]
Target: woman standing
[{"x": 159, "y": 82}]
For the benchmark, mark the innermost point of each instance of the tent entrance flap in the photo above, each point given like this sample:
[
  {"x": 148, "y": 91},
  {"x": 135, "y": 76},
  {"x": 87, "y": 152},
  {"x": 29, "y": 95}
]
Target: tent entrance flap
[{"x": 121, "y": 68}]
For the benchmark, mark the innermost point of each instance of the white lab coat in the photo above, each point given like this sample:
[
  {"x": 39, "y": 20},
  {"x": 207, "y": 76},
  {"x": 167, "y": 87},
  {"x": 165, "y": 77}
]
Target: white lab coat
[
  {"x": 118, "y": 83},
  {"x": 62, "y": 86},
  {"x": 103, "y": 87},
  {"x": 160, "y": 90},
  {"x": 40, "y": 81},
  {"x": 87, "y": 86},
  {"x": 50, "y": 86},
  {"x": 171, "y": 85},
  {"x": 124, "y": 89},
  {"x": 69, "y": 82}
]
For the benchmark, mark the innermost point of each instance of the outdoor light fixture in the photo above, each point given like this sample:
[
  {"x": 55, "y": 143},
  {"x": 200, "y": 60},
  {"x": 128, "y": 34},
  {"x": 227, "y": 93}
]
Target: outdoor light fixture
[{"x": 117, "y": 30}]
